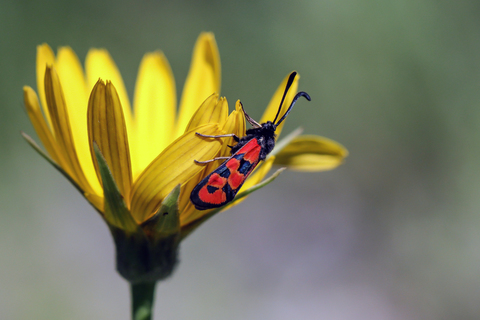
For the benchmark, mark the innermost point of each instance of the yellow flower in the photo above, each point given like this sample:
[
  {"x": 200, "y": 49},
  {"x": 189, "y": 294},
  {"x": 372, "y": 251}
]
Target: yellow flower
[{"x": 137, "y": 168}]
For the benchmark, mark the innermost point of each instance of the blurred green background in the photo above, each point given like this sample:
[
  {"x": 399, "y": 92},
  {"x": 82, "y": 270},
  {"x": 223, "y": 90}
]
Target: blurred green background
[{"x": 394, "y": 233}]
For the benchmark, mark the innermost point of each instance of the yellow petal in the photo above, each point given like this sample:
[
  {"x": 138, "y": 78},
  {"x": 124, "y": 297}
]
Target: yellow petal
[
  {"x": 45, "y": 57},
  {"x": 71, "y": 75},
  {"x": 175, "y": 165},
  {"x": 41, "y": 127},
  {"x": 106, "y": 127},
  {"x": 240, "y": 125},
  {"x": 272, "y": 109},
  {"x": 212, "y": 110},
  {"x": 100, "y": 65},
  {"x": 61, "y": 127},
  {"x": 74, "y": 86},
  {"x": 311, "y": 153},
  {"x": 234, "y": 124},
  {"x": 202, "y": 81},
  {"x": 154, "y": 110}
]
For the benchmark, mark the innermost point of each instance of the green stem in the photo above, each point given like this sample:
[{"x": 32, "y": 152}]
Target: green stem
[{"x": 142, "y": 300}]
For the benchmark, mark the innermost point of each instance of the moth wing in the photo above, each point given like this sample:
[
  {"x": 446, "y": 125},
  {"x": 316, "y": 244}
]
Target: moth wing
[{"x": 221, "y": 186}]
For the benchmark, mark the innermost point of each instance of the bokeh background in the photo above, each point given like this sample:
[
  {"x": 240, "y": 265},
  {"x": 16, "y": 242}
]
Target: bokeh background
[{"x": 394, "y": 233}]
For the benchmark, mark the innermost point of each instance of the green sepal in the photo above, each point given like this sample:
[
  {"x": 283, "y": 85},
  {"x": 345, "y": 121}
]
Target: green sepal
[
  {"x": 139, "y": 260},
  {"x": 166, "y": 221},
  {"x": 150, "y": 254},
  {"x": 116, "y": 212},
  {"x": 186, "y": 230}
]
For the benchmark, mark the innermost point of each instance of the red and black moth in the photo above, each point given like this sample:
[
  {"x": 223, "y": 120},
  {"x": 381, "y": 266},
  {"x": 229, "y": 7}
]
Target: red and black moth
[{"x": 220, "y": 187}]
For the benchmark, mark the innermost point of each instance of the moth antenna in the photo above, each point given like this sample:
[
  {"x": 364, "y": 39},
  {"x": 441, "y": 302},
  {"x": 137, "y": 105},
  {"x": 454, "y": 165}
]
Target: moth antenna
[
  {"x": 289, "y": 84},
  {"x": 250, "y": 119},
  {"x": 298, "y": 95}
]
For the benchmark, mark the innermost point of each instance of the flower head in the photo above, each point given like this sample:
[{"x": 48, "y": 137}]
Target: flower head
[{"x": 136, "y": 167}]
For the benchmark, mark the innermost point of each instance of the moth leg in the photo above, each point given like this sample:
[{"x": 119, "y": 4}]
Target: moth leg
[
  {"x": 232, "y": 135},
  {"x": 211, "y": 160}
]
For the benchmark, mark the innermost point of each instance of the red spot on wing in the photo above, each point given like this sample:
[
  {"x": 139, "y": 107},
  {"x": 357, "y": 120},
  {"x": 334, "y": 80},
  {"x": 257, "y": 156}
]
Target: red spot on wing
[
  {"x": 216, "y": 181},
  {"x": 251, "y": 150},
  {"x": 217, "y": 197},
  {"x": 235, "y": 180},
  {"x": 233, "y": 164}
]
